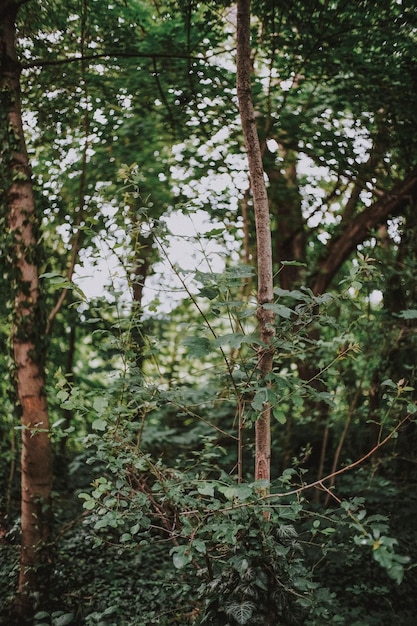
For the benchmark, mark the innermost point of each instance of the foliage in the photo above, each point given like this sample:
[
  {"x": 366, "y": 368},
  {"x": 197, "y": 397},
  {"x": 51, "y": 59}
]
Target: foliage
[{"x": 153, "y": 382}]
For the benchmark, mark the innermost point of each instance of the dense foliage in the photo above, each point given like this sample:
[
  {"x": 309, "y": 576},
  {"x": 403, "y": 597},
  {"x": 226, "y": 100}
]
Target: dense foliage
[{"x": 147, "y": 257}]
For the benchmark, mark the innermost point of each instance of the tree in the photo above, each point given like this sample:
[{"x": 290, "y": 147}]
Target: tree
[
  {"x": 28, "y": 322},
  {"x": 263, "y": 234}
]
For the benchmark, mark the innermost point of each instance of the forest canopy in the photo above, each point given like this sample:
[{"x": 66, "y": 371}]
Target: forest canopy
[{"x": 208, "y": 322}]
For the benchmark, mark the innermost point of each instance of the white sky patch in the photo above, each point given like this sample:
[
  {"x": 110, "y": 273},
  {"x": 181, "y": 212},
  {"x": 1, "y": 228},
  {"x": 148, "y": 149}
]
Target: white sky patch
[
  {"x": 100, "y": 273},
  {"x": 188, "y": 251}
]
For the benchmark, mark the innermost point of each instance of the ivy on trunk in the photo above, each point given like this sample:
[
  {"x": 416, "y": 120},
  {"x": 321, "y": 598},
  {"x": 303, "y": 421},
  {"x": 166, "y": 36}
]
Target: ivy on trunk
[{"x": 28, "y": 324}]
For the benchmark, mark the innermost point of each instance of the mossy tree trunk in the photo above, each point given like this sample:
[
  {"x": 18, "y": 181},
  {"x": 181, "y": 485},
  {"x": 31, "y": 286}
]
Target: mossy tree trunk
[{"x": 28, "y": 322}]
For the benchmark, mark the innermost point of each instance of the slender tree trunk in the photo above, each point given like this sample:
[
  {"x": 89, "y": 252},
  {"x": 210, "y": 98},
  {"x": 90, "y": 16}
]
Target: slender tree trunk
[
  {"x": 29, "y": 323},
  {"x": 263, "y": 232}
]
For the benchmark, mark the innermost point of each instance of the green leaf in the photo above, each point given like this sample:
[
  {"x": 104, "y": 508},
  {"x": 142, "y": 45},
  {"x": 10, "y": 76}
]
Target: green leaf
[
  {"x": 235, "y": 340},
  {"x": 278, "y": 309},
  {"x": 294, "y": 263},
  {"x": 293, "y": 293},
  {"x": 209, "y": 292},
  {"x": 261, "y": 398},
  {"x": 389, "y": 383},
  {"x": 181, "y": 556},
  {"x": 408, "y": 314},
  {"x": 100, "y": 404},
  {"x": 239, "y": 492},
  {"x": 62, "y": 395},
  {"x": 63, "y": 620},
  {"x": 197, "y": 346},
  {"x": 214, "y": 232},
  {"x": 242, "y": 612},
  {"x": 279, "y": 415},
  {"x": 206, "y": 489},
  {"x": 199, "y": 546},
  {"x": 89, "y": 505},
  {"x": 99, "y": 424},
  {"x": 326, "y": 397},
  {"x": 59, "y": 282}
]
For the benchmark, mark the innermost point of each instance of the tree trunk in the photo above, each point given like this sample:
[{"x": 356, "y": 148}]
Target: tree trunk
[
  {"x": 29, "y": 323},
  {"x": 263, "y": 233}
]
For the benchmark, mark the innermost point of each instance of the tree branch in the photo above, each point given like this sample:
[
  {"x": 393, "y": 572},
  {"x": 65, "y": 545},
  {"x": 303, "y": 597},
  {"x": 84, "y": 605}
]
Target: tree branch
[
  {"x": 108, "y": 55},
  {"x": 360, "y": 227}
]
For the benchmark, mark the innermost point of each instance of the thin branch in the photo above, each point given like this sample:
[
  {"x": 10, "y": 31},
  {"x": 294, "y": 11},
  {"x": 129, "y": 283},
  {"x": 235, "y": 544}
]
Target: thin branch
[
  {"x": 343, "y": 437},
  {"x": 347, "y": 468},
  {"x": 109, "y": 55},
  {"x": 155, "y": 74},
  {"x": 81, "y": 186},
  {"x": 317, "y": 483}
]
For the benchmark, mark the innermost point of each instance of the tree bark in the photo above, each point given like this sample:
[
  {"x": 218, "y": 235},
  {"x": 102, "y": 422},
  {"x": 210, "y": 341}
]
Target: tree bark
[
  {"x": 263, "y": 233},
  {"x": 29, "y": 323}
]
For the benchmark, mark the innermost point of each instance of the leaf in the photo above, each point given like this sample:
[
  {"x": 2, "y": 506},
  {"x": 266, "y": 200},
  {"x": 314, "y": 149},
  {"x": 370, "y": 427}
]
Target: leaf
[
  {"x": 294, "y": 263},
  {"x": 181, "y": 556},
  {"x": 242, "y": 613},
  {"x": 286, "y": 531},
  {"x": 235, "y": 340},
  {"x": 135, "y": 529},
  {"x": 261, "y": 397},
  {"x": 209, "y": 292},
  {"x": 42, "y": 615},
  {"x": 239, "y": 492},
  {"x": 214, "y": 232},
  {"x": 59, "y": 282},
  {"x": 278, "y": 309},
  {"x": 89, "y": 505},
  {"x": 100, "y": 404},
  {"x": 293, "y": 293},
  {"x": 58, "y": 423},
  {"x": 389, "y": 383},
  {"x": 62, "y": 395},
  {"x": 199, "y": 546},
  {"x": 279, "y": 415},
  {"x": 99, "y": 424},
  {"x": 197, "y": 346},
  {"x": 206, "y": 489},
  {"x": 326, "y": 397},
  {"x": 408, "y": 314},
  {"x": 52, "y": 276}
]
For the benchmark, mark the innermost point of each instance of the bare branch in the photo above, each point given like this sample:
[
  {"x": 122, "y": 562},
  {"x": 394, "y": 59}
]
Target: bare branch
[
  {"x": 359, "y": 228},
  {"x": 108, "y": 55}
]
